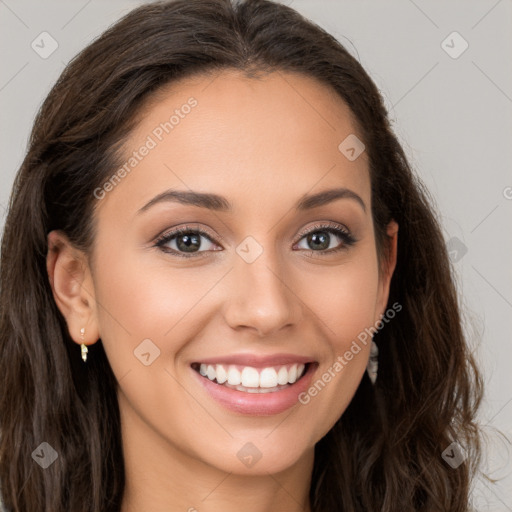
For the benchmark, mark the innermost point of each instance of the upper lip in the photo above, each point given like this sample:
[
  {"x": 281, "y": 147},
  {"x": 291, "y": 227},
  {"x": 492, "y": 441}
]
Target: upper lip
[{"x": 257, "y": 360}]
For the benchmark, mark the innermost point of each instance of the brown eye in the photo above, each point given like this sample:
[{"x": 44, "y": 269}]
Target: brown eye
[
  {"x": 326, "y": 239},
  {"x": 186, "y": 242}
]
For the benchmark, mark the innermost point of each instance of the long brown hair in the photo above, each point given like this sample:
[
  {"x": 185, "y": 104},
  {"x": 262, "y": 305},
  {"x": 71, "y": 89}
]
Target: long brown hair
[{"x": 384, "y": 453}]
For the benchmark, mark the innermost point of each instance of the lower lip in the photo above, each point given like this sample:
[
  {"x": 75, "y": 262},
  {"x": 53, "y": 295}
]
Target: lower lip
[{"x": 258, "y": 404}]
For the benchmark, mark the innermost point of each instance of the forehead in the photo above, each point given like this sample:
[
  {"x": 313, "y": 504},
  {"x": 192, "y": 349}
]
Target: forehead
[{"x": 274, "y": 136}]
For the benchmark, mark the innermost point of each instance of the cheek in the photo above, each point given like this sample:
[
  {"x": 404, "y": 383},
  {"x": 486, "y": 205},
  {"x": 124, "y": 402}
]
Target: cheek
[
  {"x": 142, "y": 312},
  {"x": 139, "y": 301},
  {"x": 344, "y": 299}
]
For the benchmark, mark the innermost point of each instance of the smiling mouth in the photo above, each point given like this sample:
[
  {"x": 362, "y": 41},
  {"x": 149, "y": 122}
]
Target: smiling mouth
[{"x": 250, "y": 379}]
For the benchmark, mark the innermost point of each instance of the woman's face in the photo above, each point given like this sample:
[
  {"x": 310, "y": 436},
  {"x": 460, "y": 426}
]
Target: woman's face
[{"x": 273, "y": 276}]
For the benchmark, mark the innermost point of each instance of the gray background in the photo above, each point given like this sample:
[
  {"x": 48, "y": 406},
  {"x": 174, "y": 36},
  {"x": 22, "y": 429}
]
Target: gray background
[{"x": 453, "y": 116}]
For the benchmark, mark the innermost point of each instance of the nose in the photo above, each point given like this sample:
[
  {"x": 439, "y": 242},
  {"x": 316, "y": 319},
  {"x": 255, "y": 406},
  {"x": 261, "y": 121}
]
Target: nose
[{"x": 261, "y": 296}]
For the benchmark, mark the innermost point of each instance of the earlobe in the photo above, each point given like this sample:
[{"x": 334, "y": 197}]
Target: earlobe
[{"x": 72, "y": 287}]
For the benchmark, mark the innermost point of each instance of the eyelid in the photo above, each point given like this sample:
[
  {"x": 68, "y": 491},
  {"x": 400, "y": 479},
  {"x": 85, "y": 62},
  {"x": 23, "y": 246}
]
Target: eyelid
[
  {"x": 319, "y": 226},
  {"x": 188, "y": 227},
  {"x": 329, "y": 226},
  {"x": 213, "y": 237}
]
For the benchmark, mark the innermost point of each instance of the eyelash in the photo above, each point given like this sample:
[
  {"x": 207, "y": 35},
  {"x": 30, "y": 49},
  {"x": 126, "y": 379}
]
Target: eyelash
[{"x": 347, "y": 239}]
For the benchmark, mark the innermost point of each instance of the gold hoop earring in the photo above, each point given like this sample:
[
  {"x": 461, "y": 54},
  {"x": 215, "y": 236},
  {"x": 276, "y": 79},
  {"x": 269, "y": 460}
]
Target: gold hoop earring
[{"x": 83, "y": 346}]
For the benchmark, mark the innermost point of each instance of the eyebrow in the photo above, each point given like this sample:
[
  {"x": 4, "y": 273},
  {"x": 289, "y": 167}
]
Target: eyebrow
[{"x": 221, "y": 204}]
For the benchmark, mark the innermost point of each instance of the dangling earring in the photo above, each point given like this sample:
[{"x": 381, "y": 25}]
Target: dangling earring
[
  {"x": 373, "y": 362},
  {"x": 83, "y": 345}
]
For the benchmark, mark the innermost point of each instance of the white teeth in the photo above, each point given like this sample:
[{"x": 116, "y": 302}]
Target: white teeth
[
  {"x": 210, "y": 373},
  {"x": 221, "y": 374},
  {"x": 292, "y": 374},
  {"x": 257, "y": 390},
  {"x": 251, "y": 379},
  {"x": 268, "y": 378},
  {"x": 234, "y": 377},
  {"x": 282, "y": 376}
]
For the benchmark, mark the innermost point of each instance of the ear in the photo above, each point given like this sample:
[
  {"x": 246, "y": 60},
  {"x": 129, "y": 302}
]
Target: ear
[
  {"x": 72, "y": 287},
  {"x": 387, "y": 267}
]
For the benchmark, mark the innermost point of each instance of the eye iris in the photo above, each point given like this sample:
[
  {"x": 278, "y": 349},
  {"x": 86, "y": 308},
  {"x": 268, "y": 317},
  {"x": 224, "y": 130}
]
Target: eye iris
[
  {"x": 319, "y": 239},
  {"x": 187, "y": 241}
]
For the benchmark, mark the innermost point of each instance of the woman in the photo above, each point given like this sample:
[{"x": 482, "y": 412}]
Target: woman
[{"x": 222, "y": 286}]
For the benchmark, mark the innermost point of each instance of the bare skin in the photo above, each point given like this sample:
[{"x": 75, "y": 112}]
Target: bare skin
[{"x": 263, "y": 144}]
